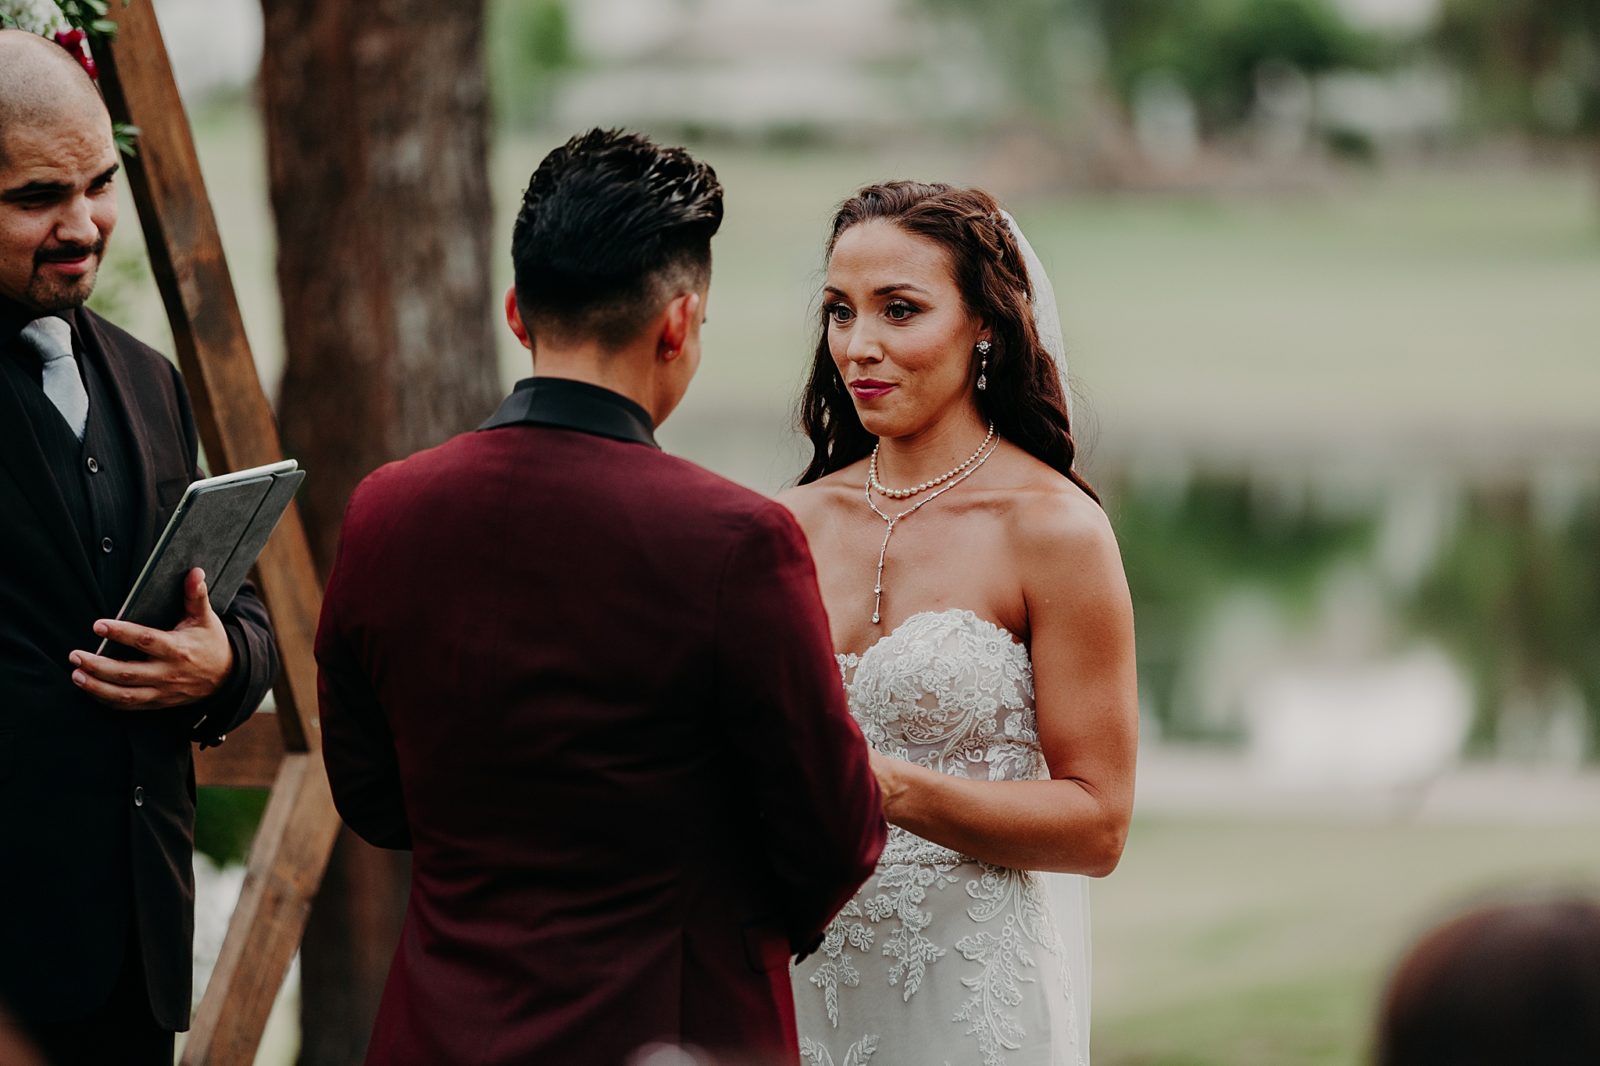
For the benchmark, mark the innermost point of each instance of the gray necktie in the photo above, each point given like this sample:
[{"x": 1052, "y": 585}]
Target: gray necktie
[{"x": 52, "y": 338}]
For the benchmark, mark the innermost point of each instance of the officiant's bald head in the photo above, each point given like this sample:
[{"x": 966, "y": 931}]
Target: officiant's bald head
[
  {"x": 57, "y": 161},
  {"x": 42, "y": 84}
]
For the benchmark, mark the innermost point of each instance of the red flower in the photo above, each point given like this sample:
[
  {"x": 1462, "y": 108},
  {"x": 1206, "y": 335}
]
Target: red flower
[{"x": 75, "y": 41}]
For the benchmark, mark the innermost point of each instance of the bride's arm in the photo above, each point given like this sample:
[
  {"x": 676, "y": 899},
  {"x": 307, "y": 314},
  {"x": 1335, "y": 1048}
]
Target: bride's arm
[{"x": 1087, "y": 704}]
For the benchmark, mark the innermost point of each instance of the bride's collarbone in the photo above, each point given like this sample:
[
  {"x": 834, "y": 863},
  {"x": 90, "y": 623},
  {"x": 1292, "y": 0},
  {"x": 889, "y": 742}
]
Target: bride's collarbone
[{"x": 935, "y": 532}]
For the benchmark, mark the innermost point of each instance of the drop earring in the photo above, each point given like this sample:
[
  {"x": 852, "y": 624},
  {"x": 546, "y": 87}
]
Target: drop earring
[{"x": 983, "y": 365}]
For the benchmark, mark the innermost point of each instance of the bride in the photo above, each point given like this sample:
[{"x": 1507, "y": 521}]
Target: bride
[{"x": 985, "y": 639}]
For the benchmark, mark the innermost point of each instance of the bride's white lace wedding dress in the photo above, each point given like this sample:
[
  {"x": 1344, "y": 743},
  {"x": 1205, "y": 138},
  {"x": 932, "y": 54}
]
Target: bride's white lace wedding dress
[{"x": 940, "y": 958}]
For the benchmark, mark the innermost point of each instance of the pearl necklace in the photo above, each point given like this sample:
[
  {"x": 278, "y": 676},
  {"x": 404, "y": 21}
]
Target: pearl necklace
[
  {"x": 955, "y": 477},
  {"x": 901, "y": 494}
]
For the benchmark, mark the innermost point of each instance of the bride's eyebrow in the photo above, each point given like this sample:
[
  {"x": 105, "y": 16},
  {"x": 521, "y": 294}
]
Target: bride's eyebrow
[{"x": 882, "y": 290}]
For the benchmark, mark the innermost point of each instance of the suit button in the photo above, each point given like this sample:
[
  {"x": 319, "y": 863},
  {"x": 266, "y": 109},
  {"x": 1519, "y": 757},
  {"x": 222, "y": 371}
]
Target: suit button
[
  {"x": 93, "y": 464},
  {"x": 105, "y": 545},
  {"x": 138, "y": 795}
]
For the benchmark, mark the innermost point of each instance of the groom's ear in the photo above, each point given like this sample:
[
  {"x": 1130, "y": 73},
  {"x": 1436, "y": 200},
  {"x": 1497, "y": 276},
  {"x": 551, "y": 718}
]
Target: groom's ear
[
  {"x": 677, "y": 324},
  {"x": 514, "y": 319}
]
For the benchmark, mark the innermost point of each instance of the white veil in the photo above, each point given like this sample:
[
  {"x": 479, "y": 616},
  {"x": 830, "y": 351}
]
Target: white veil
[
  {"x": 1046, "y": 314},
  {"x": 1069, "y": 893}
]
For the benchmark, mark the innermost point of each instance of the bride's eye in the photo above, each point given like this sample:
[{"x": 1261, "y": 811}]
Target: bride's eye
[
  {"x": 899, "y": 310},
  {"x": 838, "y": 313}
]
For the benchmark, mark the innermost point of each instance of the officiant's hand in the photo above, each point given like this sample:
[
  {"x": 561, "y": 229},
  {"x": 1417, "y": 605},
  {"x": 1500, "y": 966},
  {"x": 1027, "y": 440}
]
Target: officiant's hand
[{"x": 184, "y": 664}]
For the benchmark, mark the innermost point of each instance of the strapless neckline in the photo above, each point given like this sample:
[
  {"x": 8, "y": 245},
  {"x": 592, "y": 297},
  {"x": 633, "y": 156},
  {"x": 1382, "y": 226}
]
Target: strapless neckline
[{"x": 963, "y": 614}]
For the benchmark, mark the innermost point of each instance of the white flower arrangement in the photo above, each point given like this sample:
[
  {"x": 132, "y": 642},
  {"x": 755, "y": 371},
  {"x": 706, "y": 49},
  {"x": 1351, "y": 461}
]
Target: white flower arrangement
[{"x": 43, "y": 17}]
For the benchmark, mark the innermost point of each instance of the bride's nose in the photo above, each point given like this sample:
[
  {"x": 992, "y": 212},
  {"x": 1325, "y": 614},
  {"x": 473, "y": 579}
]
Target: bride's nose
[{"x": 863, "y": 347}]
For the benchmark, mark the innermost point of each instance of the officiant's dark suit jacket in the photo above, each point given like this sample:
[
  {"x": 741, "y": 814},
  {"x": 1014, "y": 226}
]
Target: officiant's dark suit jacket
[
  {"x": 591, "y": 687},
  {"x": 96, "y": 804}
]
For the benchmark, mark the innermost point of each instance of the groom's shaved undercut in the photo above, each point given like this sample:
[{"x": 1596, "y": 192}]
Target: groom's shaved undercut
[{"x": 612, "y": 226}]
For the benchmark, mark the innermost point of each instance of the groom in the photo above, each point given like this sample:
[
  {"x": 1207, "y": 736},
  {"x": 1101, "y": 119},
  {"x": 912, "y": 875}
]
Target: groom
[{"x": 588, "y": 684}]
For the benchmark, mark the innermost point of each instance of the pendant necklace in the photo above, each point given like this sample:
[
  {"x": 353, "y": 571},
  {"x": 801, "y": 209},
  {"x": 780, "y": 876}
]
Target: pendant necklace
[{"x": 945, "y": 482}]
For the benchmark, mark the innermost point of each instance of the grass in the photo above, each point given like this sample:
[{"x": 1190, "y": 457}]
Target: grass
[
  {"x": 1261, "y": 942},
  {"x": 1265, "y": 943},
  {"x": 1396, "y": 304}
]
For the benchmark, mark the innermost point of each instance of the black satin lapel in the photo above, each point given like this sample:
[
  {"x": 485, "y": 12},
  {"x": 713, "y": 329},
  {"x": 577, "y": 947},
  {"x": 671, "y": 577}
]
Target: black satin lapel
[
  {"x": 574, "y": 405},
  {"x": 22, "y": 457},
  {"x": 125, "y": 396}
]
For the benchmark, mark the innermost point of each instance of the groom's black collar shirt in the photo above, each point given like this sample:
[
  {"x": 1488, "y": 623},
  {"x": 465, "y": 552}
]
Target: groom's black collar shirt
[{"x": 569, "y": 404}]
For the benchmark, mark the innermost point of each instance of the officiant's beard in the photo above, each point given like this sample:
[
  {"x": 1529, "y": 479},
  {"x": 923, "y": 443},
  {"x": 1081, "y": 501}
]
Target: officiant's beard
[{"x": 49, "y": 291}]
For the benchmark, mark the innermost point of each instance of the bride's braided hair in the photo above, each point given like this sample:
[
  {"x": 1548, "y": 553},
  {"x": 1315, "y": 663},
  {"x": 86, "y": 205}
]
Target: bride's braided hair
[{"x": 1024, "y": 398}]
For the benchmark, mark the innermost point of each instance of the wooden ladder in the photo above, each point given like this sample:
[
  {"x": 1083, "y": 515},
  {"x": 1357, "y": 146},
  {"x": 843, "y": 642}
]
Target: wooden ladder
[{"x": 281, "y": 751}]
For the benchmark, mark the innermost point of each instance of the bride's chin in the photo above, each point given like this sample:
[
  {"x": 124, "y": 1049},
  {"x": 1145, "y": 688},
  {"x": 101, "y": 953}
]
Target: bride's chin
[{"x": 879, "y": 425}]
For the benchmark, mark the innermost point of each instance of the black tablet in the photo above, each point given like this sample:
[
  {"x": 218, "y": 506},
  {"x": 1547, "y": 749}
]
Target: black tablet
[{"x": 220, "y": 525}]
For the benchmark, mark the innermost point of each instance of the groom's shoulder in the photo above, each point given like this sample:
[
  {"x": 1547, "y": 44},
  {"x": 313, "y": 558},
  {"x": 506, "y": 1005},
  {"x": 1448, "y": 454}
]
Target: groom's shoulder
[
  {"x": 417, "y": 479},
  {"x": 695, "y": 491},
  {"x": 666, "y": 484}
]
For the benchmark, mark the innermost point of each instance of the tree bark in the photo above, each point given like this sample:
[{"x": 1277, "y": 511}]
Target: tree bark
[
  {"x": 376, "y": 117},
  {"x": 1594, "y": 163}
]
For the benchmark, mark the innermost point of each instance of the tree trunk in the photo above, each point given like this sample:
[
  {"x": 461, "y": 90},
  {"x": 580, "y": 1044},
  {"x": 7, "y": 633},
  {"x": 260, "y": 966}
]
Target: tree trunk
[
  {"x": 376, "y": 117},
  {"x": 1594, "y": 161}
]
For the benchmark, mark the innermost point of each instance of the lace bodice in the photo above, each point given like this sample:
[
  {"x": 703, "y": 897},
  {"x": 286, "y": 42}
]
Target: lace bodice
[{"x": 952, "y": 692}]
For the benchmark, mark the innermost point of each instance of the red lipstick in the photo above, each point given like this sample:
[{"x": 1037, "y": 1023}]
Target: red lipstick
[{"x": 871, "y": 388}]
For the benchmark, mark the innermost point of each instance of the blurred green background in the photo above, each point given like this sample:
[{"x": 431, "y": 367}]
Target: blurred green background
[{"x": 1330, "y": 275}]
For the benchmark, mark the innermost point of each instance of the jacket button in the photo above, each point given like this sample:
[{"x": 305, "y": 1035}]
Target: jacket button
[
  {"x": 138, "y": 795},
  {"x": 105, "y": 545},
  {"x": 93, "y": 464}
]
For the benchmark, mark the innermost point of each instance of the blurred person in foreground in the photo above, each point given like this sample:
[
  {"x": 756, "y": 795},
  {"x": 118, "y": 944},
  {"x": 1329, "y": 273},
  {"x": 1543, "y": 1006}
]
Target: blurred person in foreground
[
  {"x": 97, "y": 445},
  {"x": 1510, "y": 984},
  {"x": 588, "y": 684},
  {"x": 14, "y": 1048},
  {"x": 984, "y": 629}
]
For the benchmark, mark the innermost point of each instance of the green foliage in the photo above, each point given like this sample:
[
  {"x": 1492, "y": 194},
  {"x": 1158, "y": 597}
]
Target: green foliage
[
  {"x": 1032, "y": 43},
  {"x": 225, "y": 822},
  {"x": 1518, "y": 55},
  {"x": 126, "y": 137},
  {"x": 1216, "y": 48},
  {"x": 1185, "y": 551},
  {"x": 124, "y": 279},
  {"x": 529, "y": 47},
  {"x": 1213, "y": 48},
  {"x": 1516, "y": 596},
  {"x": 90, "y": 16}
]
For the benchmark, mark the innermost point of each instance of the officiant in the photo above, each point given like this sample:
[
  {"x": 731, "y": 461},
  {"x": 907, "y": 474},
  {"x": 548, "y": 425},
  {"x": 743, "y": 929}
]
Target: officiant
[{"x": 97, "y": 444}]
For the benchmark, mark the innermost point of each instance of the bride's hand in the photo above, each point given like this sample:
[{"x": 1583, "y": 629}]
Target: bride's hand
[{"x": 891, "y": 779}]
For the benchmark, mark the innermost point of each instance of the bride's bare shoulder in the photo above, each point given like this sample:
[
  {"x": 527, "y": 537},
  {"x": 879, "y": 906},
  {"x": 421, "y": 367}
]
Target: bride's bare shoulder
[
  {"x": 813, "y": 503},
  {"x": 1064, "y": 543}
]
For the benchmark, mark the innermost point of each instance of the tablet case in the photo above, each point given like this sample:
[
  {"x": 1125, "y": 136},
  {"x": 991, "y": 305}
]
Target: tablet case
[{"x": 221, "y": 525}]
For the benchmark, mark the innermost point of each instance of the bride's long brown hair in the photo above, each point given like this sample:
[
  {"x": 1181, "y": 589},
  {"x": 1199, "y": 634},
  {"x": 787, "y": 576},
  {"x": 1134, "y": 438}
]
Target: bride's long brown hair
[{"x": 1023, "y": 399}]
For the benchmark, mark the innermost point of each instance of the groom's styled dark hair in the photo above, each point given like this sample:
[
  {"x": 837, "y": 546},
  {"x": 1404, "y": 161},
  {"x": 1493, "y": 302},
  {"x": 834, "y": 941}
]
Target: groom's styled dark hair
[{"x": 612, "y": 226}]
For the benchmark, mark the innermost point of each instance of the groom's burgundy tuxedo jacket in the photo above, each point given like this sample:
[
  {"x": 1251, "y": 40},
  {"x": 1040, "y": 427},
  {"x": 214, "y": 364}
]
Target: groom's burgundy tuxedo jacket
[{"x": 591, "y": 687}]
